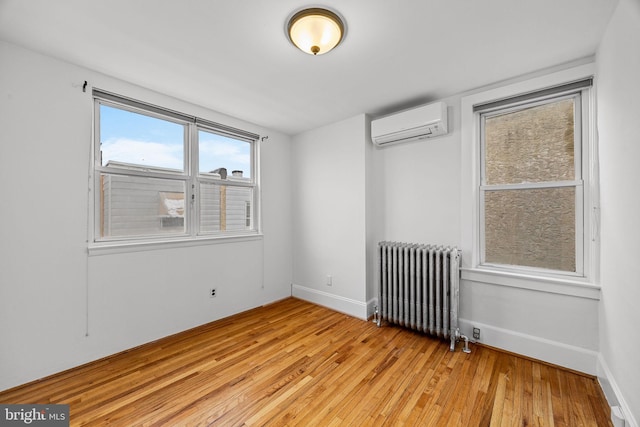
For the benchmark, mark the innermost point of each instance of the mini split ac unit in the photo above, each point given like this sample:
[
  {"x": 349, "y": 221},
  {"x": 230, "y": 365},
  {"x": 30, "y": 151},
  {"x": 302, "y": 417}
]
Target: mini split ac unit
[{"x": 417, "y": 123}]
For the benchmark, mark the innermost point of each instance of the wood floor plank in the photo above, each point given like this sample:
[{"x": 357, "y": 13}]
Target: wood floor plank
[{"x": 293, "y": 363}]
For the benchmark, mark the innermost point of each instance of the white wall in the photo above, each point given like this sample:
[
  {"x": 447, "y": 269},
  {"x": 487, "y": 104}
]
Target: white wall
[
  {"x": 329, "y": 215},
  {"x": 556, "y": 328},
  {"x": 374, "y": 182},
  {"x": 420, "y": 187},
  {"x": 618, "y": 64},
  {"x": 51, "y": 292}
]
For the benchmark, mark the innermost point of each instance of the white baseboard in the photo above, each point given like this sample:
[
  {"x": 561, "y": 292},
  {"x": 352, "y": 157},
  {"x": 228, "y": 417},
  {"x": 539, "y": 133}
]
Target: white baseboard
[
  {"x": 619, "y": 407},
  {"x": 339, "y": 303},
  {"x": 557, "y": 353}
]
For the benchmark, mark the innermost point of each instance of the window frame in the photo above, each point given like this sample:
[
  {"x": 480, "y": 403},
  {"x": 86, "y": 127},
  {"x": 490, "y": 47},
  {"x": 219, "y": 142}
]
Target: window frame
[
  {"x": 578, "y": 97},
  {"x": 189, "y": 176},
  {"x": 583, "y": 285}
]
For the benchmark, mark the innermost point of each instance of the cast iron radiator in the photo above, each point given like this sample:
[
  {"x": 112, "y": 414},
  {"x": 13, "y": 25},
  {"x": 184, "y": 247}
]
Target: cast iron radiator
[{"x": 419, "y": 288}]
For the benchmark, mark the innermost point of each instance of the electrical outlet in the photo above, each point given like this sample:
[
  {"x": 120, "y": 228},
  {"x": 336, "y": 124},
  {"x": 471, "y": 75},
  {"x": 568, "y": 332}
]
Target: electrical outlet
[
  {"x": 212, "y": 292},
  {"x": 476, "y": 333}
]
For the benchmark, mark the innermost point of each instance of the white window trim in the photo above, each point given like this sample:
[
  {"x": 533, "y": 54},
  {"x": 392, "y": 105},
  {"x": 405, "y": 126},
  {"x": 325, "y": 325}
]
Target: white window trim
[
  {"x": 585, "y": 286},
  {"x": 190, "y": 237},
  {"x": 182, "y": 242}
]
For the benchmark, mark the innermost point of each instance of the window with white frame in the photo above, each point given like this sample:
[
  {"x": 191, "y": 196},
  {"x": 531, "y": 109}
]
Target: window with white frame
[
  {"x": 532, "y": 179},
  {"x": 161, "y": 174},
  {"x": 531, "y": 186}
]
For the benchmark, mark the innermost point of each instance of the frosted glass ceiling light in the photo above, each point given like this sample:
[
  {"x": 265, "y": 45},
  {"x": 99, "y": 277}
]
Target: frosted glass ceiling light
[{"x": 315, "y": 31}]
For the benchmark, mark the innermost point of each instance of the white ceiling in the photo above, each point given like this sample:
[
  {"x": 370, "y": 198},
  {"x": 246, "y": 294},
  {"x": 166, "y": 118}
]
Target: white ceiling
[{"x": 233, "y": 56}]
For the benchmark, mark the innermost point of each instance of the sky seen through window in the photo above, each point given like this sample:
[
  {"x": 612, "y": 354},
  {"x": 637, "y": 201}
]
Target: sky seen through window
[{"x": 139, "y": 139}]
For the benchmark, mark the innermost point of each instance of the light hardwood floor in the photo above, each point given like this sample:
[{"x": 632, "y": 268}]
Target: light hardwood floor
[{"x": 292, "y": 363}]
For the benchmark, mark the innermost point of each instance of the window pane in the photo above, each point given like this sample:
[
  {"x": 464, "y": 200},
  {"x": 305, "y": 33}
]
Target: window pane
[
  {"x": 534, "y": 228},
  {"x": 139, "y": 206},
  {"x": 225, "y": 208},
  {"x": 222, "y": 152},
  {"x": 531, "y": 145},
  {"x": 128, "y": 138}
]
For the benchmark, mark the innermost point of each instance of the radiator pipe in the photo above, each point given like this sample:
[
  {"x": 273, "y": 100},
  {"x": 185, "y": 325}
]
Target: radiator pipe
[
  {"x": 466, "y": 348},
  {"x": 455, "y": 337}
]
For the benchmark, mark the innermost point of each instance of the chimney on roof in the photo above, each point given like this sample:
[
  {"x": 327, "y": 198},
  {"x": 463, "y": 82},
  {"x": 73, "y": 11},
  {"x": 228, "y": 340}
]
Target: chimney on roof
[{"x": 222, "y": 172}]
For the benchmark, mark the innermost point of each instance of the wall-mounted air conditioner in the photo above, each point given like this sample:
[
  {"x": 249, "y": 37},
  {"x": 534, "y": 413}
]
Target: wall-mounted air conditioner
[{"x": 421, "y": 122}]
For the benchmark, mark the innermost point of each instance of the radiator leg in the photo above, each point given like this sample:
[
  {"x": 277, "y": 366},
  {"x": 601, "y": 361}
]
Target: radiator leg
[{"x": 376, "y": 317}]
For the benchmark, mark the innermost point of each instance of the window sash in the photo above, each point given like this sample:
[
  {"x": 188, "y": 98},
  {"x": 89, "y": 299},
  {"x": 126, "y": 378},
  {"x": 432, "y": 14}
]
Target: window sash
[
  {"x": 578, "y": 230},
  {"x": 135, "y": 168},
  {"x": 493, "y": 109},
  {"x": 143, "y": 219},
  {"x": 577, "y": 115},
  {"x": 216, "y": 204}
]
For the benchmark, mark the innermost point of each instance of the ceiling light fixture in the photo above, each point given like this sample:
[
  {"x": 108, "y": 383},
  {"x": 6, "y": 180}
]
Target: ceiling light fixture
[{"x": 315, "y": 30}]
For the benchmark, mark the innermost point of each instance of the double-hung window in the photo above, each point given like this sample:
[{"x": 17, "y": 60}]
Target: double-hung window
[
  {"x": 531, "y": 184},
  {"x": 528, "y": 162},
  {"x": 162, "y": 175}
]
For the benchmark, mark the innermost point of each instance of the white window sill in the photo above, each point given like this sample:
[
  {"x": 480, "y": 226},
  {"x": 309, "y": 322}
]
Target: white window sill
[
  {"x": 106, "y": 248},
  {"x": 562, "y": 286}
]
